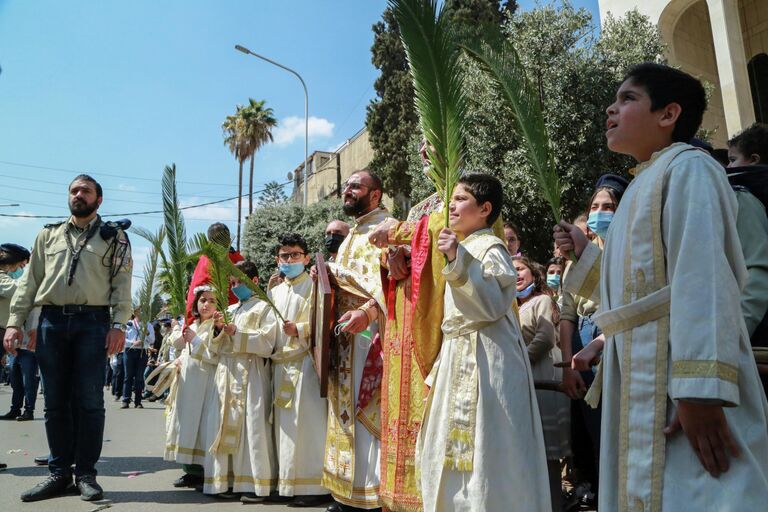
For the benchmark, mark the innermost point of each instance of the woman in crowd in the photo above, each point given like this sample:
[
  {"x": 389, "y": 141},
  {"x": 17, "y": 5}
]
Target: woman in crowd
[
  {"x": 537, "y": 310},
  {"x": 576, "y": 325}
]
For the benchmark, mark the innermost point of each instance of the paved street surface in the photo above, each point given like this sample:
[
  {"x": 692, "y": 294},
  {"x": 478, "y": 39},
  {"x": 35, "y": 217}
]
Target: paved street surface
[{"x": 131, "y": 469}]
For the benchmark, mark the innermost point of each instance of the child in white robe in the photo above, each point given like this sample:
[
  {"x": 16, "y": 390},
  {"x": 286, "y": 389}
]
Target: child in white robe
[
  {"x": 481, "y": 445},
  {"x": 685, "y": 421},
  {"x": 241, "y": 458}
]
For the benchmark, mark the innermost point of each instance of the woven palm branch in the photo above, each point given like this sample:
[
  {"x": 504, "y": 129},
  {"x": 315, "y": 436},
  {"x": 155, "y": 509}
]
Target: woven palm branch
[
  {"x": 498, "y": 58},
  {"x": 174, "y": 266},
  {"x": 433, "y": 59},
  {"x": 146, "y": 293},
  {"x": 221, "y": 269}
]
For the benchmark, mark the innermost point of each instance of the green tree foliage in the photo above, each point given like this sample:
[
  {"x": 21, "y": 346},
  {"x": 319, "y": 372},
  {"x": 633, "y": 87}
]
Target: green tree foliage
[
  {"x": 268, "y": 223},
  {"x": 273, "y": 194},
  {"x": 391, "y": 118},
  {"x": 576, "y": 73}
]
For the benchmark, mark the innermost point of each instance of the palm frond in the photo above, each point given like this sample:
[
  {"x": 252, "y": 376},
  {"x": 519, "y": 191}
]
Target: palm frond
[
  {"x": 147, "y": 289},
  {"x": 497, "y": 57},
  {"x": 221, "y": 269},
  {"x": 174, "y": 273},
  {"x": 433, "y": 59}
]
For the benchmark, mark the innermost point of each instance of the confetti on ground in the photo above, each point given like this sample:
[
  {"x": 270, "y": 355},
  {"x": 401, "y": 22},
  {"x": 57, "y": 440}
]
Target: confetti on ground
[
  {"x": 101, "y": 507},
  {"x": 132, "y": 474},
  {"x": 11, "y": 452}
]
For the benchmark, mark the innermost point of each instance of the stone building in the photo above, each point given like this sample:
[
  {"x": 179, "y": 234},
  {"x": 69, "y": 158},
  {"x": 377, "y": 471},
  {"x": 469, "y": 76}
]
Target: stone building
[
  {"x": 329, "y": 169},
  {"x": 724, "y": 42}
]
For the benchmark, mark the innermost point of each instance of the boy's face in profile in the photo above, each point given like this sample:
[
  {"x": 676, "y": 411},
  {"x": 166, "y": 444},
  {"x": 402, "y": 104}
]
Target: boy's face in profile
[
  {"x": 632, "y": 128},
  {"x": 466, "y": 216}
]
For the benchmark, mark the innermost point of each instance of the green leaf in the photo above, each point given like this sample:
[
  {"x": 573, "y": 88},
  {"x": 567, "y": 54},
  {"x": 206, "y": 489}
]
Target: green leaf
[
  {"x": 174, "y": 273},
  {"x": 433, "y": 59},
  {"x": 498, "y": 58}
]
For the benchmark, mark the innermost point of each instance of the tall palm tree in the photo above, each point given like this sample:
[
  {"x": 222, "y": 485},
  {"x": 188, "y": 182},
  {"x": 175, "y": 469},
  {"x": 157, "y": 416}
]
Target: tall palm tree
[
  {"x": 233, "y": 127},
  {"x": 258, "y": 122}
]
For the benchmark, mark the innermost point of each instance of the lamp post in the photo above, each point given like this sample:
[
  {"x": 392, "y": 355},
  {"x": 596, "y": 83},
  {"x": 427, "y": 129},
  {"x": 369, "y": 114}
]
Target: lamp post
[{"x": 306, "y": 111}]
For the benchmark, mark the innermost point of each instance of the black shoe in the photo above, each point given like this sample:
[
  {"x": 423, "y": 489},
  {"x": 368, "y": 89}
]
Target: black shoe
[
  {"x": 125, "y": 405},
  {"x": 138, "y": 406},
  {"x": 310, "y": 501},
  {"x": 26, "y": 416},
  {"x": 229, "y": 494},
  {"x": 11, "y": 415},
  {"x": 89, "y": 489},
  {"x": 153, "y": 398},
  {"x": 54, "y": 485},
  {"x": 41, "y": 461},
  {"x": 249, "y": 497},
  {"x": 118, "y": 398},
  {"x": 187, "y": 480},
  {"x": 3, "y": 466}
]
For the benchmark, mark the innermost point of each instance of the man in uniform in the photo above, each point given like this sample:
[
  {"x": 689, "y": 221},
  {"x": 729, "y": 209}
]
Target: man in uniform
[{"x": 80, "y": 274}]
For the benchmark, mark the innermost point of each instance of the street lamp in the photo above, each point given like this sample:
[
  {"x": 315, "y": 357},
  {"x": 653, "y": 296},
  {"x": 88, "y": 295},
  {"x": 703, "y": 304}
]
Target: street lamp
[{"x": 306, "y": 112}]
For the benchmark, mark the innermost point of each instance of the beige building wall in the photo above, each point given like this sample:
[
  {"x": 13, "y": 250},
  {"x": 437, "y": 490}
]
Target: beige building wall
[
  {"x": 328, "y": 169},
  {"x": 714, "y": 40}
]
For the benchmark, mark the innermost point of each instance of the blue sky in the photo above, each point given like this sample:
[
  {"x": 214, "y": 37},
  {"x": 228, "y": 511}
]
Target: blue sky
[{"x": 121, "y": 89}]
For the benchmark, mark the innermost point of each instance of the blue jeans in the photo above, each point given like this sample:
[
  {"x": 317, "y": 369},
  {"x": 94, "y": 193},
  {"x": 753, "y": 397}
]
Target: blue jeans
[
  {"x": 118, "y": 376},
  {"x": 70, "y": 351},
  {"x": 24, "y": 380},
  {"x": 135, "y": 360}
]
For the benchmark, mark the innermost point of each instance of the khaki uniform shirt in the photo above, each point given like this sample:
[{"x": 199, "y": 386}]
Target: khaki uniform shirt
[
  {"x": 7, "y": 288},
  {"x": 45, "y": 279}
]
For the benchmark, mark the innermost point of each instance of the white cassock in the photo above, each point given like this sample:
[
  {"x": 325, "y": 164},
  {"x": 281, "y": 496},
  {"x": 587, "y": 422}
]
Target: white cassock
[
  {"x": 241, "y": 455},
  {"x": 300, "y": 414},
  {"x": 481, "y": 445},
  {"x": 187, "y": 404},
  {"x": 670, "y": 309}
]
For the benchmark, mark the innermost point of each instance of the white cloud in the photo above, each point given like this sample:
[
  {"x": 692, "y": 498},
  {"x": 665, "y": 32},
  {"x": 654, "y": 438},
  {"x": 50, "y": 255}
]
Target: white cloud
[
  {"x": 292, "y": 128},
  {"x": 221, "y": 212},
  {"x": 127, "y": 188}
]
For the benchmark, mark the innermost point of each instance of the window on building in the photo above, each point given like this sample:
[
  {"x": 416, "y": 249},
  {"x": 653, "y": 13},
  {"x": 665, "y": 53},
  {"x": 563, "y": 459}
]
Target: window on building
[{"x": 758, "y": 82}]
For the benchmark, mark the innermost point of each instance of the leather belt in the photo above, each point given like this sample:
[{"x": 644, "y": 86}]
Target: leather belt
[{"x": 75, "y": 309}]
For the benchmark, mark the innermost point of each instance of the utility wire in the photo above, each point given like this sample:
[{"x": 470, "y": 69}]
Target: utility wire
[
  {"x": 99, "y": 173},
  {"x": 25, "y": 216}
]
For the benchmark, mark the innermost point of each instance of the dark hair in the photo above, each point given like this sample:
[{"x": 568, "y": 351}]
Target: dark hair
[
  {"x": 376, "y": 183},
  {"x": 666, "y": 85},
  {"x": 248, "y": 268},
  {"x": 721, "y": 155},
  {"x": 611, "y": 192},
  {"x": 195, "y": 312},
  {"x": 10, "y": 254},
  {"x": 511, "y": 225},
  {"x": 752, "y": 141},
  {"x": 539, "y": 282},
  {"x": 219, "y": 233},
  {"x": 85, "y": 177},
  {"x": 291, "y": 239},
  {"x": 485, "y": 188},
  {"x": 556, "y": 260}
]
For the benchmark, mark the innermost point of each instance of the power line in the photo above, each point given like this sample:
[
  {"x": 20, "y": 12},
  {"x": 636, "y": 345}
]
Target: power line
[
  {"x": 100, "y": 173},
  {"x": 25, "y": 216}
]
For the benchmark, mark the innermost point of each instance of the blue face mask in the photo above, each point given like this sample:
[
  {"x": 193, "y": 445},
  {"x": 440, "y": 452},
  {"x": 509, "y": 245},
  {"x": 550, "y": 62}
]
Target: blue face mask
[
  {"x": 553, "y": 280},
  {"x": 16, "y": 273},
  {"x": 525, "y": 292},
  {"x": 292, "y": 270},
  {"x": 242, "y": 292},
  {"x": 598, "y": 222}
]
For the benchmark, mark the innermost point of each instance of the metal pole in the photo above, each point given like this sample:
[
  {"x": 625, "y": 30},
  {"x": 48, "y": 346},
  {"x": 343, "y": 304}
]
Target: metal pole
[{"x": 306, "y": 111}]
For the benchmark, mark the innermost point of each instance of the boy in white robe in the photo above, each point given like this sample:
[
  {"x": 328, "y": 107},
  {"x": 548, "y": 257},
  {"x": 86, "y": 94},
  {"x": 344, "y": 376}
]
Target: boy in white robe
[
  {"x": 481, "y": 445},
  {"x": 685, "y": 422},
  {"x": 241, "y": 456},
  {"x": 300, "y": 413}
]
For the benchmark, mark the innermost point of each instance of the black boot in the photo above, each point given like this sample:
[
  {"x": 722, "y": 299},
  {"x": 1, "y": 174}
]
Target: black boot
[
  {"x": 89, "y": 489},
  {"x": 11, "y": 415},
  {"x": 26, "y": 416}
]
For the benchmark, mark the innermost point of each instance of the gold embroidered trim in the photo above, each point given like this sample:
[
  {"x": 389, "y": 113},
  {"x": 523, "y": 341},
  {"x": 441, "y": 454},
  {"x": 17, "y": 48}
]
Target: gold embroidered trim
[
  {"x": 239, "y": 479},
  {"x": 655, "y": 313},
  {"x": 691, "y": 369},
  {"x": 185, "y": 451},
  {"x": 591, "y": 280}
]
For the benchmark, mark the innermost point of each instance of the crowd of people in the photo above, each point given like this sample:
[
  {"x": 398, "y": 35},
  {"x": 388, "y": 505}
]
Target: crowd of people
[{"x": 623, "y": 372}]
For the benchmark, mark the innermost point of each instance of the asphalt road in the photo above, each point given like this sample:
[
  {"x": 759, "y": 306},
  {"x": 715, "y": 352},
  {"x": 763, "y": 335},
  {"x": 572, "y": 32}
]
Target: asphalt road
[{"x": 131, "y": 469}]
